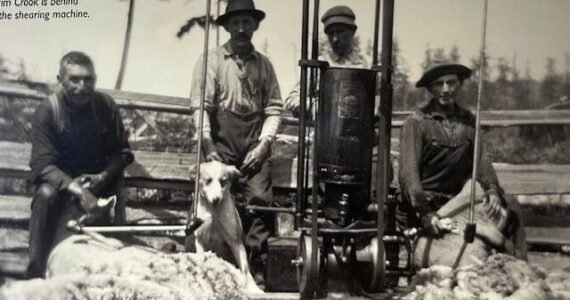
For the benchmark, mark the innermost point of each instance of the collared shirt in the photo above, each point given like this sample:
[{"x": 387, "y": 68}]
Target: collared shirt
[
  {"x": 243, "y": 86},
  {"x": 353, "y": 60},
  {"x": 91, "y": 136},
  {"x": 436, "y": 156}
]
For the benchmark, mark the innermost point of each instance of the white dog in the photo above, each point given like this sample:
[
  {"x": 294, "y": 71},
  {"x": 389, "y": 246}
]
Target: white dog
[{"x": 222, "y": 227}]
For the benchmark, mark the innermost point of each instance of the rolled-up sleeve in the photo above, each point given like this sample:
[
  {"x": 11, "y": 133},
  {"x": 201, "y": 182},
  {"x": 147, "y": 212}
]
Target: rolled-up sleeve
[{"x": 273, "y": 105}]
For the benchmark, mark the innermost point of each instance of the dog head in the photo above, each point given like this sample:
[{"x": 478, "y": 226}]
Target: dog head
[{"x": 215, "y": 181}]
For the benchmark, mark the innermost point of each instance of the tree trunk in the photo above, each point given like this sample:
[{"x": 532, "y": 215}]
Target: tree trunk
[{"x": 119, "y": 81}]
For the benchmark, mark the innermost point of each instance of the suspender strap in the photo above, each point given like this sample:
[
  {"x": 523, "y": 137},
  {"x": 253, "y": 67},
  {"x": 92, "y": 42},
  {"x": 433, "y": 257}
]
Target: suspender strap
[{"x": 56, "y": 109}]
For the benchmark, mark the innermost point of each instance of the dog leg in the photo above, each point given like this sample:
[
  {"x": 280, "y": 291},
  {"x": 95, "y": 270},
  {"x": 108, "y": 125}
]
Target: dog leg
[
  {"x": 240, "y": 255},
  {"x": 199, "y": 247}
]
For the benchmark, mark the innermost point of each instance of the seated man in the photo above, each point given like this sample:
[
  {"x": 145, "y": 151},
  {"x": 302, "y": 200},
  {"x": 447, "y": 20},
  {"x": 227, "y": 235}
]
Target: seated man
[
  {"x": 436, "y": 158},
  {"x": 79, "y": 151}
]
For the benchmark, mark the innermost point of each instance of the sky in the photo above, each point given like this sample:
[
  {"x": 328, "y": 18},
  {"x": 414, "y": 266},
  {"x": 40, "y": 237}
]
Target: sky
[{"x": 527, "y": 31}]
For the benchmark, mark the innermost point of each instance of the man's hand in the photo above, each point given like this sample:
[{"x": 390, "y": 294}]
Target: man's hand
[
  {"x": 294, "y": 108},
  {"x": 93, "y": 182},
  {"x": 210, "y": 149},
  {"x": 255, "y": 157},
  {"x": 433, "y": 225},
  {"x": 494, "y": 204},
  {"x": 87, "y": 200}
]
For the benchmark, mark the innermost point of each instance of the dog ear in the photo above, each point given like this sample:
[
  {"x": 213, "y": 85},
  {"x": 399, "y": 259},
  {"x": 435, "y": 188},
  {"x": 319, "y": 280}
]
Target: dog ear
[{"x": 233, "y": 172}]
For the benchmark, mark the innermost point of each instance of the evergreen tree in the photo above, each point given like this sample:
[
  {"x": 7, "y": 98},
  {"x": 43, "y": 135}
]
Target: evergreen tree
[{"x": 551, "y": 85}]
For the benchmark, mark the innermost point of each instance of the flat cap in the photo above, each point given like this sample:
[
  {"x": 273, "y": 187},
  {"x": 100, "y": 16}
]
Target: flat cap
[{"x": 339, "y": 15}]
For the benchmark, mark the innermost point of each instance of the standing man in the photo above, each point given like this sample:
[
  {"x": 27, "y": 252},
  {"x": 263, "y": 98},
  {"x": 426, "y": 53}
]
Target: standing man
[
  {"x": 436, "y": 156},
  {"x": 340, "y": 27},
  {"x": 242, "y": 106},
  {"x": 79, "y": 151}
]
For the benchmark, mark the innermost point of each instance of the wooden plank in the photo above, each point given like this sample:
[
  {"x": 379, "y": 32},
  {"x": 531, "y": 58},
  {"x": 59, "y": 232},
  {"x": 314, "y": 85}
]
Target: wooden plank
[
  {"x": 150, "y": 166},
  {"x": 548, "y": 235},
  {"x": 534, "y": 179},
  {"x": 14, "y": 208},
  {"x": 134, "y": 97},
  {"x": 13, "y": 239},
  {"x": 13, "y": 263}
]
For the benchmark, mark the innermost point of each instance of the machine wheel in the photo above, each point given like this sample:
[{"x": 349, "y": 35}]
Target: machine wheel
[
  {"x": 312, "y": 282},
  {"x": 376, "y": 269}
]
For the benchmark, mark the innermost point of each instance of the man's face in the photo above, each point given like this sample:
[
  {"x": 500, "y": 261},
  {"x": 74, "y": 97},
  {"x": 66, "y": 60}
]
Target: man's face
[
  {"x": 78, "y": 82},
  {"x": 241, "y": 28},
  {"x": 445, "y": 89},
  {"x": 340, "y": 37}
]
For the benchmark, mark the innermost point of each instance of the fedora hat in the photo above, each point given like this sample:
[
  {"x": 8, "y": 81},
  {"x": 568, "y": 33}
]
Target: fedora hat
[
  {"x": 339, "y": 15},
  {"x": 441, "y": 67},
  {"x": 240, "y": 6}
]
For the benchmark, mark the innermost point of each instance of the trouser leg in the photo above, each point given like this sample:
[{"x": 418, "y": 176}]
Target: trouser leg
[
  {"x": 42, "y": 227},
  {"x": 258, "y": 226}
]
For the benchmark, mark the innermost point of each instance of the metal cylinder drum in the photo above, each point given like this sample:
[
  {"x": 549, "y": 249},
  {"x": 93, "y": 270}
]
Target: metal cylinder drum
[{"x": 345, "y": 128}]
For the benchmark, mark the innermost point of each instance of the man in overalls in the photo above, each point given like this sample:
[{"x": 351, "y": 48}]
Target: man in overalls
[{"x": 242, "y": 114}]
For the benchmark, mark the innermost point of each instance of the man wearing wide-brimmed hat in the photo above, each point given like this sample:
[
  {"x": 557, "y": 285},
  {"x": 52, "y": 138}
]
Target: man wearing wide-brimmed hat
[
  {"x": 436, "y": 153},
  {"x": 242, "y": 114},
  {"x": 342, "y": 51}
]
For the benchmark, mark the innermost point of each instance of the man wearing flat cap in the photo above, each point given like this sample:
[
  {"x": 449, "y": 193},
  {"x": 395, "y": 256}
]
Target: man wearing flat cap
[
  {"x": 436, "y": 156},
  {"x": 340, "y": 27},
  {"x": 242, "y": 106}
]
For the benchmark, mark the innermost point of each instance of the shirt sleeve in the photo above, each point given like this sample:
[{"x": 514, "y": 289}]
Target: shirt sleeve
[
  {"x": 121, "y": 155},
  {"x": 45, "y": 153},
  {"x": 210, "y": 92},
  {"x": 273, "y": 106},
  {"x": 410, "y": 159},
  {"x": 486, "y": 174},
  {"x": 292, "y": 102}
]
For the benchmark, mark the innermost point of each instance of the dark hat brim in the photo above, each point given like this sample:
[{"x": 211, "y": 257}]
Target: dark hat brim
[
  {"x": 339, "y": 20},
  {"x": 432, "y": 74},
  {"x": 257, "y": 14}
]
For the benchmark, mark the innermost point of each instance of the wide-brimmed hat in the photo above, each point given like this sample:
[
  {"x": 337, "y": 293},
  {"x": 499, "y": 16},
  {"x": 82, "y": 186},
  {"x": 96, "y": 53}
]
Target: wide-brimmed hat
[
  {"x": 339, "y": 15},
  {"x": 441, "y": 67},
  {"x": 240, "y": 6}
]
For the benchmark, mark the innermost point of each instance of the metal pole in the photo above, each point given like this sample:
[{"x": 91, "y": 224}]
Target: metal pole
[
  {"x": 201, "y": 119},
  {"x": 126, "y": 45},
  {"x": 385, "y": 121},
  {"x": 218, "y": 27},
  {"x": 376, "y": 26},
  {"x": 135, "y": 228},
  {"x": 302, "y": 119},
  {"x": 470, "y": 229},
  {"x": 314, "y": 202}
]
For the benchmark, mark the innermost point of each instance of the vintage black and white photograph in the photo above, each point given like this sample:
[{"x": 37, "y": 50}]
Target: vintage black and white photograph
[{"x": 284, "y": 149}]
